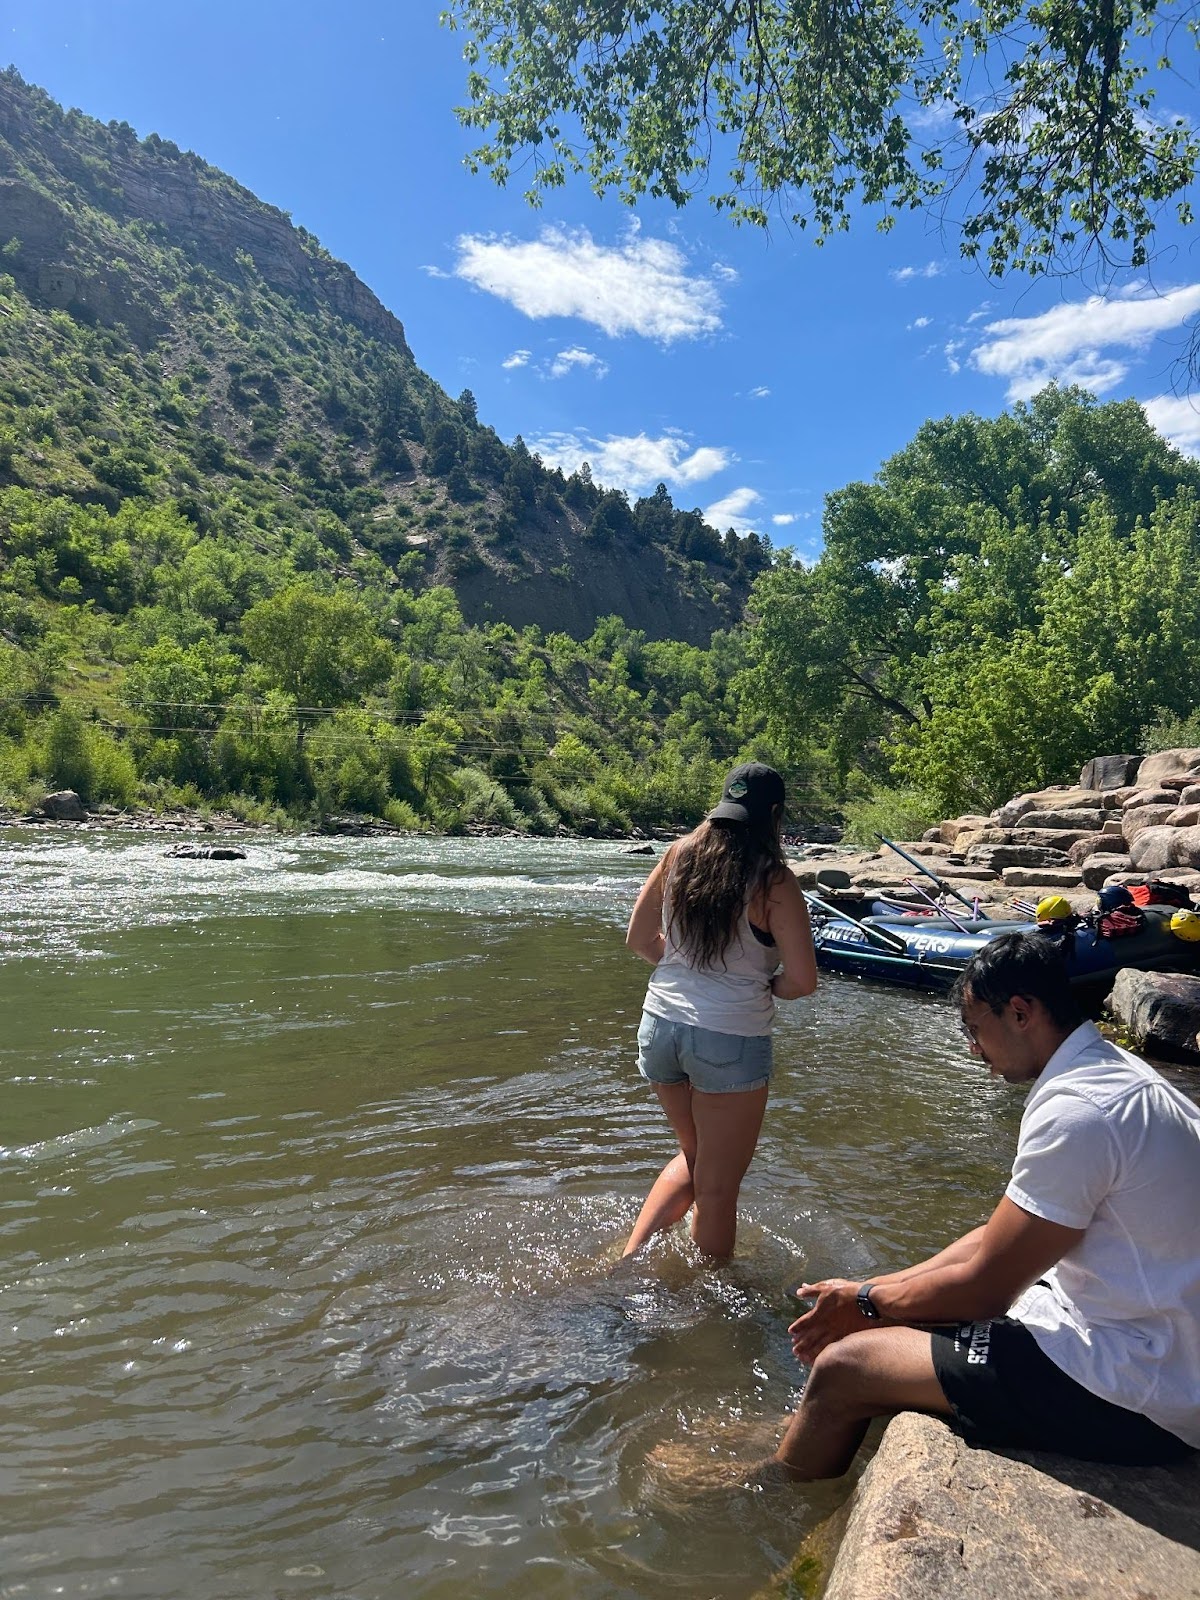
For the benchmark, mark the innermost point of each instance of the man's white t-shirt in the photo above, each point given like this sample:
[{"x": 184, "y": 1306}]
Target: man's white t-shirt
[{"x": 1108, "y": 1145}]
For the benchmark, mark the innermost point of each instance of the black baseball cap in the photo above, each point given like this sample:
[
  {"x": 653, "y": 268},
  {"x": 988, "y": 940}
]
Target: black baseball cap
[{"x": 751, "y": 793}]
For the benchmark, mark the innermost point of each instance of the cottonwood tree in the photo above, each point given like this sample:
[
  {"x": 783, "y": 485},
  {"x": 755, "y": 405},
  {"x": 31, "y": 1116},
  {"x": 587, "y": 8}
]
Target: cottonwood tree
[
  {"x": 1037, "y": 121},
  {"x": 1006, "y": 597},
  {"x": 322, "y": 650}
]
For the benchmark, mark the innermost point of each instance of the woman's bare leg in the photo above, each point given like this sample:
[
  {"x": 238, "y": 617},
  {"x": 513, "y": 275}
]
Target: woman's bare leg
[
  {"x": 671, "y": 1197},
  {"x": 727, "y": 1128}
]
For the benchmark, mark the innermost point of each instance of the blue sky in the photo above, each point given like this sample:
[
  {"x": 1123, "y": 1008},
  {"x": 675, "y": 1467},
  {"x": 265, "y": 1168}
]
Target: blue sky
[{"x": 752, "y": 373}]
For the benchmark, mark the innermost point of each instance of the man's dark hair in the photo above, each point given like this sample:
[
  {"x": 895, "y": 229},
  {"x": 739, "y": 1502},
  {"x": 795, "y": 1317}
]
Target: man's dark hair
[{"x": 1028, "y": 964}]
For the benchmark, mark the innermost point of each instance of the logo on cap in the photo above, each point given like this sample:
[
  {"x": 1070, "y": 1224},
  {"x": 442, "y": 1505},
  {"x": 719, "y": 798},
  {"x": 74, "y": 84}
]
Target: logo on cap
[{"x": 736, "y": 789}]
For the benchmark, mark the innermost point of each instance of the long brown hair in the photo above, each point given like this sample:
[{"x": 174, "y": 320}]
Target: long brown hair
[{"x": 711, "y": 875}]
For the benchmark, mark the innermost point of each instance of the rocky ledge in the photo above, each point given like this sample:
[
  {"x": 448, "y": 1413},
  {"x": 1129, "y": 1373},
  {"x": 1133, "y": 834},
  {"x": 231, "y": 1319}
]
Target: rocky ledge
[
  {"x": 1128, "y": 818},
  {"x": 934, "y": 1519}
]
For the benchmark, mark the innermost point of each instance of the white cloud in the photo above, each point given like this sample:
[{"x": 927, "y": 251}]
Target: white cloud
[
  {"x": 577, "y": 359},
  {"x": 1068, "y": 344},
  {"x": 931, "y": 269},
  {"x": 519, "y": 358},
  {"x": 920, "y": 322},
  {"x": 641, "y": 286},
  {"x": 724, "y": 273},
  {"x": 1177, "y": 418},
  {"x": 760, "y": 393},
  {"x": 950, "y": 351},
  {"x": 633, "y": 461},
  {"x": 730, "y": 510},
  {"x": 783, "y": 519},
  {"x": 938, "y": 117}
]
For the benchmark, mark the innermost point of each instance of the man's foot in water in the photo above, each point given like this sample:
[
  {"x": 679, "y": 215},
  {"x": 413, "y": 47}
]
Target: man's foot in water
[{"x": 734, "y": 1456}]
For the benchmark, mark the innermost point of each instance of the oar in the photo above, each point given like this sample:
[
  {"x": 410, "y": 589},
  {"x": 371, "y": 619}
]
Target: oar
[
  {"x": 944, "y": 888},
  {"x": 949, "y": 915},
  {"x": 889, "y": 941}
]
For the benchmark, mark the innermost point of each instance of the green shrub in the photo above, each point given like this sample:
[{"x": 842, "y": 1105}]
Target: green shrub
[
  {"x": 483, "y": 799},
  {"x": 87, "y": 758},
  {"x": 18, "y": 763},
  {"x": 114, "y": 772},
  {"x": 68, "y": 763},
  {"x": 899, "y": 813},
  {"x": 357, "y": 763},
  {"x": 401, "y": 815},
  {"x": 1169, "y": 732}
]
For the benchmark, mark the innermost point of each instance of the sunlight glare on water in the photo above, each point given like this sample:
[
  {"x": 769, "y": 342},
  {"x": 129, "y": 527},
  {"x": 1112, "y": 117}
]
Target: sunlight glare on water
[{"x": 315, "y": 1170}]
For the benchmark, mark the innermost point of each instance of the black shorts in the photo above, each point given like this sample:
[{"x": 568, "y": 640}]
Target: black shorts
[{"x": 1003, "y": 1390}]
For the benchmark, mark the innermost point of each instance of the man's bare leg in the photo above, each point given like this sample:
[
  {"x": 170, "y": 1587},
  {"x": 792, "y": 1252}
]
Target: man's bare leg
[{"x": 870, "y": 1374}]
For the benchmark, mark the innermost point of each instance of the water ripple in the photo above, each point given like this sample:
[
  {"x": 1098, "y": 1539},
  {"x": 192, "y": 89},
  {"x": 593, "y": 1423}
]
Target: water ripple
[{"x": 316, "y": 1172}]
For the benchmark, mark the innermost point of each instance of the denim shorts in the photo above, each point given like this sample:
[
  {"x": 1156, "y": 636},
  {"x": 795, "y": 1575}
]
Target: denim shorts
[{"x": 714, "y": 1063}]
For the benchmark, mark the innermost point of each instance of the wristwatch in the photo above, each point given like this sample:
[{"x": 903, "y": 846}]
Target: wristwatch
[{"x": 864, "y": 1302}]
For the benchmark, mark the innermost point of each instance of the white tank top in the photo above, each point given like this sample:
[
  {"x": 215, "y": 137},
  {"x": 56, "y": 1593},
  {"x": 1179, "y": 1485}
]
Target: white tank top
[{"x": 732, "y": 997}]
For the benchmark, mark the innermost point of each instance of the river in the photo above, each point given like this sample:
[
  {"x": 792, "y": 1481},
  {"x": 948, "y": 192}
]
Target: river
[{"x": 314, "y": 1169}]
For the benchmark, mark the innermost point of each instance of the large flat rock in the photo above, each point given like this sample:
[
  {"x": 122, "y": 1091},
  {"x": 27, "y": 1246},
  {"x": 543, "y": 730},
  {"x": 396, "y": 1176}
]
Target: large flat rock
[
  {"x": 1041, "y": 877},
  {"x": 1159, "y": 1009},
  {"x": 1079, "y": 819},
  {"x": 953, "y": 826},
  {"x": 1168, "y": 764},
  {"x": 1099, "y": 868},
  {"x": 1151, "y": 797},
  {"x": 995, "y": 857},
  {"x": 934, "y": 1519},
  {"x": 1056, "y": 799},
  {"x": 1143, "y": 819},
  {"x": 1062, "y": 839},
  {"x": 1090, "y": 844}
]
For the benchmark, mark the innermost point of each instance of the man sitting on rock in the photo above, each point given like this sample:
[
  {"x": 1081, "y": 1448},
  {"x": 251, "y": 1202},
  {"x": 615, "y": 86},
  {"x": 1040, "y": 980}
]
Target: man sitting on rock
[{"x": 1071, "y": 1320}]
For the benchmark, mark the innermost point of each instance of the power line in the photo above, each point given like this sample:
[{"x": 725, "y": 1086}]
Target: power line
[{"x": 474, "y": 742}]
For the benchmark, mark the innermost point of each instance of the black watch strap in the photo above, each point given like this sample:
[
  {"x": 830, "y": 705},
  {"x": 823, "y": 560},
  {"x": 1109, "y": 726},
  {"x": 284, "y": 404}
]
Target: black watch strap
[{"x": 864, "y": 1302}]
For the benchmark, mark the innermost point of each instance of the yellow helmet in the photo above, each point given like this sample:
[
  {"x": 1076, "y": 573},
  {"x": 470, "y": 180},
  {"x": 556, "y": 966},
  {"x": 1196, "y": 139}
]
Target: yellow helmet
[
  {"x": 1186, "y": 925},
  {"x": 1053, "y": 908}
]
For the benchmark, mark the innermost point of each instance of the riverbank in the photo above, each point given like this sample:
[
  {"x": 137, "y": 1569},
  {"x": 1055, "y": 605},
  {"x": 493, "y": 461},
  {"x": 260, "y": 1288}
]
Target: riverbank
[{"x": 65, "y": 807}]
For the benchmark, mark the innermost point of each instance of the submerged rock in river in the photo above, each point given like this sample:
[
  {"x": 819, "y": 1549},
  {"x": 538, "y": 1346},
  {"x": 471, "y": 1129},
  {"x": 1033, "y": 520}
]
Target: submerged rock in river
[{"x": 206, "y": 852}]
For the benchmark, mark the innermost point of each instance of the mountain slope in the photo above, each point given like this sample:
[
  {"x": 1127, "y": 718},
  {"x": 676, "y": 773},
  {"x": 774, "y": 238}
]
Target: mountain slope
[{"x": 166, "y": 335}]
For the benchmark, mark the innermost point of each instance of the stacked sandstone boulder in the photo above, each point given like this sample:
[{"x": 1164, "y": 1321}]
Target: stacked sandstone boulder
[{"x": 1128, "y": 818}]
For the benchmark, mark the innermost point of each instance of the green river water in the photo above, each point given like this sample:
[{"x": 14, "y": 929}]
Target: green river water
[{"x": 313, "y": 1173}]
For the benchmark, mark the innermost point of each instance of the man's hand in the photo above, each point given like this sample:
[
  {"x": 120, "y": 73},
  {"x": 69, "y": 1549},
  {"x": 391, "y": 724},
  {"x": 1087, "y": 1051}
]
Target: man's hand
[
  {"x": 978, "y": 1276},
  {"x": 835, "y": 1315}
]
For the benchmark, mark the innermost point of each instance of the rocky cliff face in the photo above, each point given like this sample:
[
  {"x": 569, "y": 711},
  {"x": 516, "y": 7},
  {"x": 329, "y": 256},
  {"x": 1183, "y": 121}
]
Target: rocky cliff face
[
  {"x": 554, "y": 589},
  {"x": 191, "y": 205}
]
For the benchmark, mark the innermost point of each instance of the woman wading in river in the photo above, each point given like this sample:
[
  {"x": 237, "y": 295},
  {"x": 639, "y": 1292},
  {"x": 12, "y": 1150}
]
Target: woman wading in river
[{"x": 723, "y": 923}]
